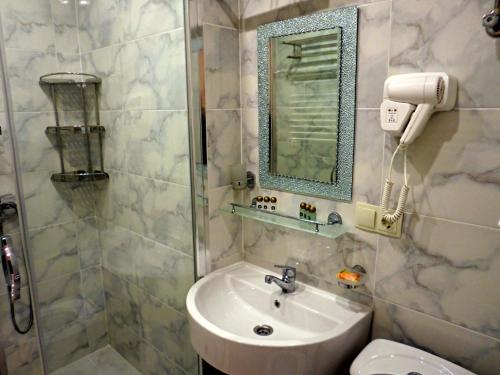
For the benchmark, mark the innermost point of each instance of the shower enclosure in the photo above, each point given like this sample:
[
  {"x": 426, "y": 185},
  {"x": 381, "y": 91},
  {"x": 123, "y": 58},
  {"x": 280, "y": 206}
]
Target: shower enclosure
[{"x": 97, "y": 264}]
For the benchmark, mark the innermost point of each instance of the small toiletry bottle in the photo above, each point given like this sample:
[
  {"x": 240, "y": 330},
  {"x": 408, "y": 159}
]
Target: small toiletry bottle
[
  {"x": 274, "y": 203},
  {"x": 254, "y": 202},
  {"x": 302, "y": 212},
  {"x": 266, "y": 202},
  {"x": 307, "y": 214},
  {"x": 259, "y": 201},
  {"x": 312, "y": 213}
]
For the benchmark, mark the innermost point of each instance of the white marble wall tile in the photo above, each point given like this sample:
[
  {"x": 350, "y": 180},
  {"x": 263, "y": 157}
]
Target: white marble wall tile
[
  {"x": 144, "y": 17},
  {"x": 100, "y": 23},
  {"x": 221, "y": 12},
  {"x": 117, "y": 250},
  {"x": 28, "y": 24},
  {"x": 167, "y": 330},
  {"x": 45, "y": 205},
  {"x": 116, "y": 140},
  {"x": 24, "y": 359},
  {"x": 476, "y": 352},
  {"x": 107, "y": 63},
  {"x": 60, "y": 302},
  {"x": 250, "y": 140},
  {"x": 251, "y": 8},
  {"x": 155, "y": 72},
  {"x": 223, "y": 145},
  {"x": 453, "y": 167},
  {"x": 158, "y": 146},
  {"x": 54, "y": 251},
  {"x": 25, "y": 68},
  {"x": 30, "y": 134},
  {"x": 226, "y": 232},
  {"x": 92, "y": 290},
  {"x": 64, "y": 20},
  {"x": 161, "y": 211},
  {"x": 164, "y": 273},
  {"x": 424, "y": 39},
  {"x": 65, "y": 345},
  {"x": 153, "y": 362},
  {"x": 374, "y": 28},
  {"x": 89, "y": 250},
  {"x": 444, "y": 269},
  {"x": 123, "y": 303},
  {"x": 112, "y": 202},
  {"x": 68, "y": 62},
  {"x": 316, "y": 256},
  {"x": 248, "y": 58},
  {"x": 5, "y": 148},
  {"x": 221, "y": 67}
]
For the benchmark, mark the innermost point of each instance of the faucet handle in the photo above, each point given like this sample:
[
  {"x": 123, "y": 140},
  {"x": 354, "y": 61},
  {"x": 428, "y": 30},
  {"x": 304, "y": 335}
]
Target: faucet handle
[{"x": 288, "y": 271}]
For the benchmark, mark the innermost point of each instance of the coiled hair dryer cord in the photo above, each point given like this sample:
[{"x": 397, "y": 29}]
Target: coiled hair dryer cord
[{"x": 387, "y": 217}]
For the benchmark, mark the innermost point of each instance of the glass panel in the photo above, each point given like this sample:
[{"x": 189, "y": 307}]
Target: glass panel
[
  {"x": 111, "y": 261},
  {"x": 304, "y": 104}
]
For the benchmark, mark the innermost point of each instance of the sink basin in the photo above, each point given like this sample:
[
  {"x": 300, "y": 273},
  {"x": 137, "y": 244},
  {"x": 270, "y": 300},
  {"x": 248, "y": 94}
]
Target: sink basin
[
  {"x": 392, "y": 358},
  {"x": 232, "y": 312}
]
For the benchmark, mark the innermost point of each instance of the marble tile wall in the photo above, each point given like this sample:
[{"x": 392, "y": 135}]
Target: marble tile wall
[
  {"x": 431, "y": 288},
  {"x": 221, "y": 42},
  {"x": 42, "y": 37},
  {"x": 144, "y": 211}
]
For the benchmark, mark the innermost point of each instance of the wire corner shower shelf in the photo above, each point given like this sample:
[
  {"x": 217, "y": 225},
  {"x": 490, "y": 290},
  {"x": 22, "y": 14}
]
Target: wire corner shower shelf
[{"x": 75, "y": 98}]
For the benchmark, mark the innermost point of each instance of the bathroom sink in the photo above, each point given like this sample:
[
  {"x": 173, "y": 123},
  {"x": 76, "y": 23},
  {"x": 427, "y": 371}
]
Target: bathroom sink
[{"x": 243, "y": 326}]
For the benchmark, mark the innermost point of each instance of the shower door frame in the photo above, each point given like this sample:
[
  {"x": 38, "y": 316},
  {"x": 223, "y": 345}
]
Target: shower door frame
[{"x": 19, "y": 193}]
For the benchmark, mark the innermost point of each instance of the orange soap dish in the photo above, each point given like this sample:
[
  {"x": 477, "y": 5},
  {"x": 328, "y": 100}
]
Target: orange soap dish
[{"x": 351, "y": 278}]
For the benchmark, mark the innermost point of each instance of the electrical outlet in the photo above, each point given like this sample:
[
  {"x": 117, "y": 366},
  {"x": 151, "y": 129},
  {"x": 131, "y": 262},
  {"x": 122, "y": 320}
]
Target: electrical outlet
[{"x": 369, "y": 217}]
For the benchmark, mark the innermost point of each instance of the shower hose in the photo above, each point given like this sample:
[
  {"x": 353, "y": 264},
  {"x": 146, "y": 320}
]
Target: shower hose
[{"x": 14, "y": 321}]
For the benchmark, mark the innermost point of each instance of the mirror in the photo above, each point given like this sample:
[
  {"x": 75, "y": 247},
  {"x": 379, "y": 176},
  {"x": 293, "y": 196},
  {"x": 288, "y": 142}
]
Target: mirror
[
  {"x": 307, "y": 72},
  {"x": 304, "y": 93}
]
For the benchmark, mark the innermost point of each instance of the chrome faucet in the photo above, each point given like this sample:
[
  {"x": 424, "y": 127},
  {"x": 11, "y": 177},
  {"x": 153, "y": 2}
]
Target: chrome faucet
[{"x": 287, "y": 281}]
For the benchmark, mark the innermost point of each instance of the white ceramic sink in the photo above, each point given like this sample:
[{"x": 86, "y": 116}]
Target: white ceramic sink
[
  {"x": 392, "y": 358},
  {"x": 314, "y": 332}
]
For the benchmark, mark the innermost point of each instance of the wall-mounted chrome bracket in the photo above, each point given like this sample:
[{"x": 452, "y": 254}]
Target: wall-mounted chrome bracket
[{"x": 491, "y": 21}]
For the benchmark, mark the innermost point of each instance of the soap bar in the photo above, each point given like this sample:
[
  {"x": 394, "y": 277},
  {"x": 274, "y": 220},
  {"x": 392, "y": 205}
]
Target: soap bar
[{"x": 349, "y": 276}]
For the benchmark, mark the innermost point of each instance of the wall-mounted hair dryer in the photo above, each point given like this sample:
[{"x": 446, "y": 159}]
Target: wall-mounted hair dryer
[{"x": 409, "y": 102}]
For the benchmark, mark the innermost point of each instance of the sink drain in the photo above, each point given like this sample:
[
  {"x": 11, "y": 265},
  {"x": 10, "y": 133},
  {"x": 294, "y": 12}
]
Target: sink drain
[
  {"x": 414, "y": 373},
  {"x": 263, "y": 330}
]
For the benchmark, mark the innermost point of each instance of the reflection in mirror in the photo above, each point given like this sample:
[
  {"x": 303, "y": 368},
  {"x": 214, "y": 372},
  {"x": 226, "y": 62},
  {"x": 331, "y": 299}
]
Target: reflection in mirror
[{"x": 304, "y": 104}]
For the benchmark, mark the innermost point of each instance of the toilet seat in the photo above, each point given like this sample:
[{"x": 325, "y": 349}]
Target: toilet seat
[{"x": 385, "y": 357}]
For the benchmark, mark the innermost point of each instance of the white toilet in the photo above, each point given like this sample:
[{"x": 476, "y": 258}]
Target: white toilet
[{"x": 385, "y": 357}]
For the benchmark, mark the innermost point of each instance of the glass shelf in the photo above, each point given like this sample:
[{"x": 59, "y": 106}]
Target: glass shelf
[{"x": 315, "y": 227}]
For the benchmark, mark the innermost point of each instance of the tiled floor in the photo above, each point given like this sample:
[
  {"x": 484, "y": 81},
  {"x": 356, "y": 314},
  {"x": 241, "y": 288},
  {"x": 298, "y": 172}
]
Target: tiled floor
[{"x": 105, "y": 361}]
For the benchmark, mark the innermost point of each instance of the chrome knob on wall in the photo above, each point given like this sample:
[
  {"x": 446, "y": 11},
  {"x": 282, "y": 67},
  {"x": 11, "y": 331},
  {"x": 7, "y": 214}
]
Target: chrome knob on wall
[{"x": 491, "y": 21}]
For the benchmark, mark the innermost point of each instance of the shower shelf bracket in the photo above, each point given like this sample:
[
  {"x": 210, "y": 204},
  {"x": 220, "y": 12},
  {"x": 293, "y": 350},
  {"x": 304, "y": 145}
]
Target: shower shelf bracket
[{"x": 75, "y": 94}]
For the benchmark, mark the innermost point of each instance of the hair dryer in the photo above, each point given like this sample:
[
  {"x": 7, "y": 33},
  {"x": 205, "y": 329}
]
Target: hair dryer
[
  {"x": 411, "y": 99},
  {"x": 409, "y": 102}
]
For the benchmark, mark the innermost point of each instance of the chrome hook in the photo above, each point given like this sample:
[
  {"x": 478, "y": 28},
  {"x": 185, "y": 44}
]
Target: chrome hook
[{"x": 491, "y": 21}]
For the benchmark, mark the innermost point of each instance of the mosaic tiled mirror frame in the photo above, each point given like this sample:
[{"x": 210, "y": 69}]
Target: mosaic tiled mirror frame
[{"x": 347, "y": 20}]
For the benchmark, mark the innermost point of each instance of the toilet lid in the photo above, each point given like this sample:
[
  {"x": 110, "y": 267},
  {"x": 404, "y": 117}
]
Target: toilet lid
[{"x": 384, "y": 357}]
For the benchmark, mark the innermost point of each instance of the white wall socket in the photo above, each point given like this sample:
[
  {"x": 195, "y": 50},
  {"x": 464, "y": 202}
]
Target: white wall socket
[{"x": 369, "y": 217}]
